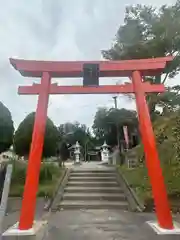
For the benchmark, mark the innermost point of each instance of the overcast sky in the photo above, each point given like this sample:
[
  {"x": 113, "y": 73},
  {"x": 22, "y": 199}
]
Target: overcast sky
[{"x": 58, "y": 30}]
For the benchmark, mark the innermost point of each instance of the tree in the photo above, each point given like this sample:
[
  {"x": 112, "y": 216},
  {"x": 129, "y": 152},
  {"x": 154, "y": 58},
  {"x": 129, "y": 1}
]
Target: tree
[
  {"x": 100, "y": 125},
  {"x": 6, "y": 128},
  {"x": 107, "y": 121},
  {"x": 72, "y": 132},
  {"x": 149, "y": 32},
  {"x": 168, "y": 101},
  {"x": 23, "y": 137},
  {"x": 64, "y": 151}
]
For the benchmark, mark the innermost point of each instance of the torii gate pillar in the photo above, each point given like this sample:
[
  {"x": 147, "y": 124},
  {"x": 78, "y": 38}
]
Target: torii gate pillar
[
  {"x": 32, "y": 179},
  {"x": 151, "y": 155}
]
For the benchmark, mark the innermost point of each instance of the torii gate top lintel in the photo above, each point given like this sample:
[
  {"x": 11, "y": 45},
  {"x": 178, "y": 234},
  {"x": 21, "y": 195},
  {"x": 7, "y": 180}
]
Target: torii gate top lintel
[{"x": 147, "y": 67}]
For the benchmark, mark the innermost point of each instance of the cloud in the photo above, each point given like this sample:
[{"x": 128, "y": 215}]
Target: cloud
[{"x": 57, "y": 30}]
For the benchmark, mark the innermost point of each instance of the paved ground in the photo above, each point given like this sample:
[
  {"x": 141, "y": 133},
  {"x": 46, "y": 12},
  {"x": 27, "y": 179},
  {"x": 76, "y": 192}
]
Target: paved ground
[
  {"x": 100, "y": 224},
  {"x": 13, "y": 209},
  {"x": 94, "y": 224}
]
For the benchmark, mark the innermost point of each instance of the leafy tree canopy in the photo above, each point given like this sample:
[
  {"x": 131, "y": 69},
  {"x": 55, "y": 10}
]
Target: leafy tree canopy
[
  {"x": 23, "y": 137},
  {"x": 149, "y": 32},
  {"x": 106, "y": 122},
  {"x": 6, "y": 128},
  {"x": 72, "y": 132}
]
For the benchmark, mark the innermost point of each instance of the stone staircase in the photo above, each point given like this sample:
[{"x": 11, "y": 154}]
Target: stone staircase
[{"x": 93, "y": 189}]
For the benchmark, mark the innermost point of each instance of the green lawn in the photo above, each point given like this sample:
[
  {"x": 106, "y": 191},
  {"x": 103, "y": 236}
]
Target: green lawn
[{"x": 139, "y": 182}]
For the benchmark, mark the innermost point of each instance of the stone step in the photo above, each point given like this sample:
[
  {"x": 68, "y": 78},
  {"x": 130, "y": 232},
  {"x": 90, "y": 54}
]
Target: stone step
[
  {"x": 94, "y": 189},
  {"x": 94, "y": 196},
  {"x": 67, "y": 204},
  {"x": 92, "y": 179},
  {"x": 92, "y": 174},
  {"x": 91, "y": 184},
  {"x": 93, "y": 171}
]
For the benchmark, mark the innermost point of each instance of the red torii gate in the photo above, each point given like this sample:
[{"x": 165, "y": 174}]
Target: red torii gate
[{"x": 134, "y": 69}]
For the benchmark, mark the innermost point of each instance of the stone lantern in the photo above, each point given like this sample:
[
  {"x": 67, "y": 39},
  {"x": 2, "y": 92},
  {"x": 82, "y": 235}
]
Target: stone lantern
[
  {"x": 105, "y": 153},
  {"x": 77, "y": 153}
]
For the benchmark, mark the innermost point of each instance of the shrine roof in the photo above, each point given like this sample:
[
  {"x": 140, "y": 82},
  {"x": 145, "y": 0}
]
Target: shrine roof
[{"x": 61, "y": 69}]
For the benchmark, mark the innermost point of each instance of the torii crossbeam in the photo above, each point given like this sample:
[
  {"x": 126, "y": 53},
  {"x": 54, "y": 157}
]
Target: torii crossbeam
[
  {"x": 135, "y": 70},
  {"x": 35, "y": 89}
]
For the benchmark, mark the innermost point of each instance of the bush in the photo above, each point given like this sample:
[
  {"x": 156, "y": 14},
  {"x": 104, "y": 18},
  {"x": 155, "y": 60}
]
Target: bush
[
  {"x": 19, "y": 174},
  {"x": 48, "y": 172},
  {"x": 138, "y": 180},
  {"x": 167, "y": 132},
  {"x": 49, "y": 175}
]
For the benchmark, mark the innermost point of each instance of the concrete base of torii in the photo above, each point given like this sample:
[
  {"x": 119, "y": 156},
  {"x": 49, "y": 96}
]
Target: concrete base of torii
[
  {"x": 161, "y": 231},
  {"x": 15, "y": 231}
]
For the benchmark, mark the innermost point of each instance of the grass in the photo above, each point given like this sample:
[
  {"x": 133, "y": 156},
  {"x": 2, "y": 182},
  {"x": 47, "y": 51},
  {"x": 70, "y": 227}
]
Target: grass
[
  {"x": 48, "y": 180},
  {"x": 139, "y": 182}
]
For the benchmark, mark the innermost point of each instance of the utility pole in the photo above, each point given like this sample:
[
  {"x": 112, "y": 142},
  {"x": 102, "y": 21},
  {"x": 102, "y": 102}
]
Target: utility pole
[
  {"x": 117, "y": 127},
  {"x": 85, "y": 150},
  {"x": 115, "y": 101}
]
